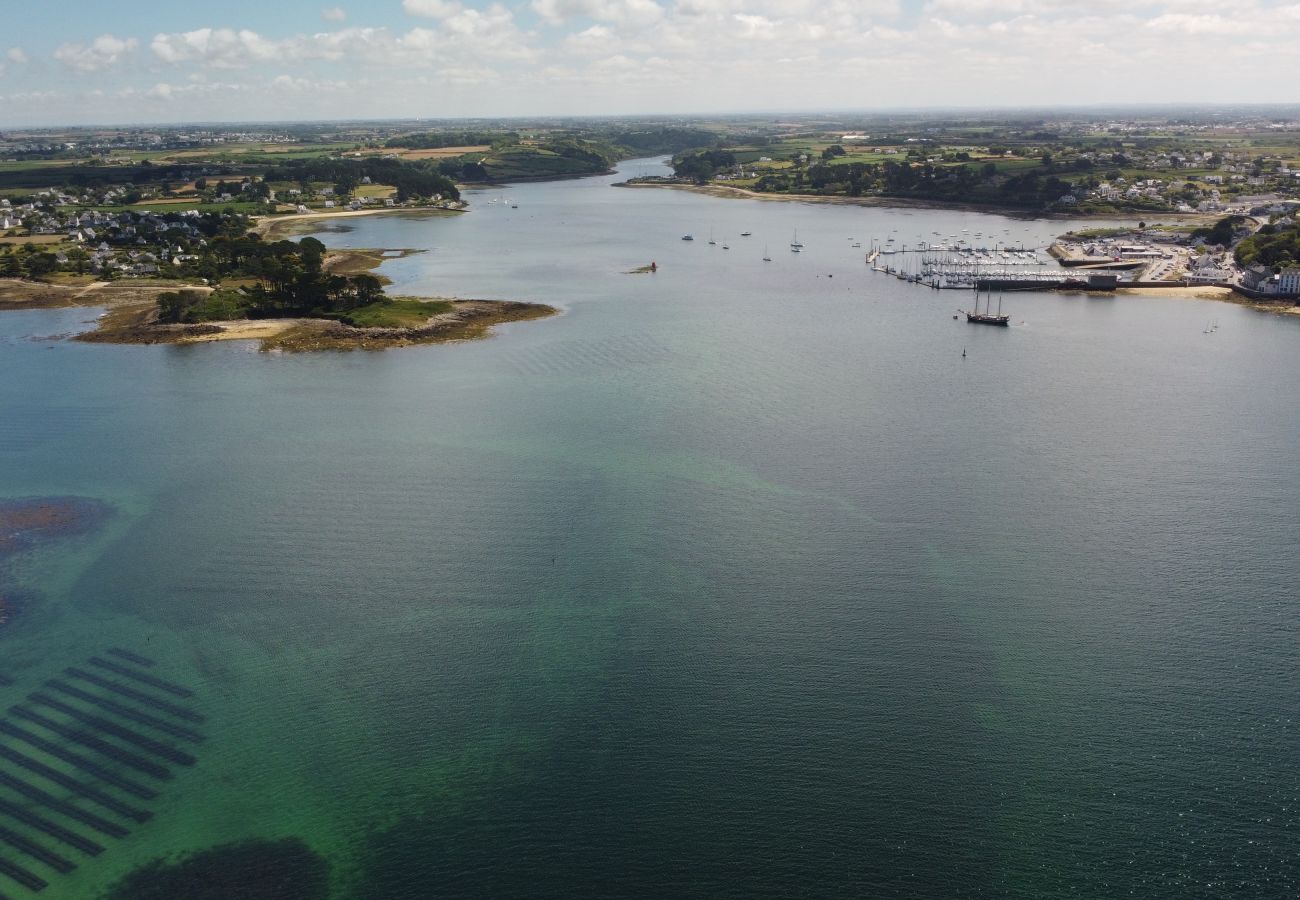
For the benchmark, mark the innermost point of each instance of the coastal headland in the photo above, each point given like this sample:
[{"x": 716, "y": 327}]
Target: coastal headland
[
  {"x": 739, "y": 193},
  {"x": 131, "y": 310}
]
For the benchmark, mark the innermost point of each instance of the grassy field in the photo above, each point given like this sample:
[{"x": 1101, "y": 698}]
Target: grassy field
[
  {"x": 35, "y": 165},
  {"x": 377, "y": 191},
  {"x": 70, "y": 279},
  {"x": 434, "y": 152},
  {"x": 228, "y": 153},
  {"x": 32, "y": 239},
  {"x": 399, "y": 312}
]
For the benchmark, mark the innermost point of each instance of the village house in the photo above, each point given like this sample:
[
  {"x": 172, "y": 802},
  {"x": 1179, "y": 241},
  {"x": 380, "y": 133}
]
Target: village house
[{"x": 1288, "y": 282}]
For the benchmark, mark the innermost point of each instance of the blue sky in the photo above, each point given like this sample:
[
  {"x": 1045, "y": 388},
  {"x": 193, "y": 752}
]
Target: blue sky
[{"x": 87, "y": 61}]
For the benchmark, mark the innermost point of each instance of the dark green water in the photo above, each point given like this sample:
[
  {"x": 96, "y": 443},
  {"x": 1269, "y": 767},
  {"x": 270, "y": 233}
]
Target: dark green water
[{"x": 732, "y": 581}]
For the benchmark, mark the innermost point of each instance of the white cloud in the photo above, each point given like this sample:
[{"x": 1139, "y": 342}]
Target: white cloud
[
  {"x": 613, "y": 56},
  {"x": 466, "y": 37},
  {"x": 983, "y": 9},
  {"x": 16, "y": 55},
  {"x": 432, "y": 9},
  {"x": 628, "y": 12},
  {"x": 598, "y": 40},
  {"x": 221, "y": 48},
  {"x": 756, "y": 27},
  {"x": 310, "y": 86},
  {"x": 467, "y": 76},
  {"x": 103, "y": 52},
  {"x": 1200, "y": 24}
]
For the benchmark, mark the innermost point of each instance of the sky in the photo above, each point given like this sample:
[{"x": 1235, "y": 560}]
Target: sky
[{"x": 127, "y": 61}]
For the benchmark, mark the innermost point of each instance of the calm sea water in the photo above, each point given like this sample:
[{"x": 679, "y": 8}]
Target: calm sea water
[{"x": 734, "y": 580}]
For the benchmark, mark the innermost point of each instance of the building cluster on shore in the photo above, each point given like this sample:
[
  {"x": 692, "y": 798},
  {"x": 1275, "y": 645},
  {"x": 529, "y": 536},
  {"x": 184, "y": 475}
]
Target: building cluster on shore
[
  {"x": 1262, "y": 282},
  {"x": 122, "y": 243}
]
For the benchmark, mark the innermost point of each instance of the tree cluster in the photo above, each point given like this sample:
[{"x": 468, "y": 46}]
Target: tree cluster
[
  {"x": 701, "y": 165},
  {"x": 1223, "y": 232},
  {"x": 413, "y": 178},
  {"x": 290, "y": 281},
  {"x": 959, "y": 183},
  {"x": 1279, "y": 249},
  {"x": 661, "y": 140},
  {"x": 436, "y": 140}
]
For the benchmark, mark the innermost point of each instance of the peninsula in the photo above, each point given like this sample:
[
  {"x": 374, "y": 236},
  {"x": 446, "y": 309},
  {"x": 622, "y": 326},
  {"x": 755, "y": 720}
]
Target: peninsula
[{"x": 231, "y": 283}]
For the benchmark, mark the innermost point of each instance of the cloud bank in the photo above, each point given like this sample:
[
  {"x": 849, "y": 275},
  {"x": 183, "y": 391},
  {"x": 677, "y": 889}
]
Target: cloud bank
[{"x": 537, "y": 57}]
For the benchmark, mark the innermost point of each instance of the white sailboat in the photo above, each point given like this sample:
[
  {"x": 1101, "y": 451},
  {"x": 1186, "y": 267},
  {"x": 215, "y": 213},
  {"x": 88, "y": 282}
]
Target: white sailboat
[
  {"x": 794, "y": 241},
  {"x": 766, "y": 256}
]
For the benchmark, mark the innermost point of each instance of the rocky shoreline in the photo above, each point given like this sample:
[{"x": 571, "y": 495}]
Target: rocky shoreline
[
  {"x": 466, "y": 320},
  {"x": 131, "y": 314}
]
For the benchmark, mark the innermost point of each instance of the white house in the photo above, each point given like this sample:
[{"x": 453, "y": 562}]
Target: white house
[{"x": 1288, "y": 282}]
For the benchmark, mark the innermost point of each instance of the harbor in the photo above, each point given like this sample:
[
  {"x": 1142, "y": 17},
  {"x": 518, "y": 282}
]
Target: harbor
[
  {"x": 967, "y": 267},
  {"x": 957, "y": 264}
]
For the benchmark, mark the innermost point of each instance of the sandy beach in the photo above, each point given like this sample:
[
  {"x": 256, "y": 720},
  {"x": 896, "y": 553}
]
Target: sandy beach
[
  {"x": 244, "y": 330},
  {"x": 1206, "y": 292},
  {"x": 278, "y": 227},
  {"x": 1189, "y": 292}
]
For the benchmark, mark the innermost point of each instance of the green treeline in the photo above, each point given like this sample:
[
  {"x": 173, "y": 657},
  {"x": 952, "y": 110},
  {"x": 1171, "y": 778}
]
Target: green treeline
[
  {"x": 436, "y": 140},
  {"x": 984, "y": 184},
  {"x": 625, "y": 141},
  {"x": 412, "y": 179},
  {"x": 1223, "y": 232},
  {"x": 1271, "y": 246},
  {"x": 703, "y": 164},
  {"x": 660, "y": 140},
  {"x": 549, "y": 159},
  {"x": 585, "y": 152},
  {"x": 291, "y": 281}
]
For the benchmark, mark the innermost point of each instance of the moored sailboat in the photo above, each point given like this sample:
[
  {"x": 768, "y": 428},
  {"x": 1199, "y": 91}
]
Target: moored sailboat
[{"x": 988, "y": 317}]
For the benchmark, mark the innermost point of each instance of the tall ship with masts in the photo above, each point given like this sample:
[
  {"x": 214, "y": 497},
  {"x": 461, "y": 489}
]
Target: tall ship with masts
[{"x": 988, "y": 317}]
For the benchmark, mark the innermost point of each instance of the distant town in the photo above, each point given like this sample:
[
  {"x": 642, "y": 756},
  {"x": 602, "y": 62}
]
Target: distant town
[{"x": 1215, "y": 193}]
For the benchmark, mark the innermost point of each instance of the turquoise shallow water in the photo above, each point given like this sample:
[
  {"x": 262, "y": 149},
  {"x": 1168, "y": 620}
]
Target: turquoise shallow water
[{"x": 733, "y": 580}]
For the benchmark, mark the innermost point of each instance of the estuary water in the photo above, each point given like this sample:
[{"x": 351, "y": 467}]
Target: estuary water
[{"x": 733, "y": 580}]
